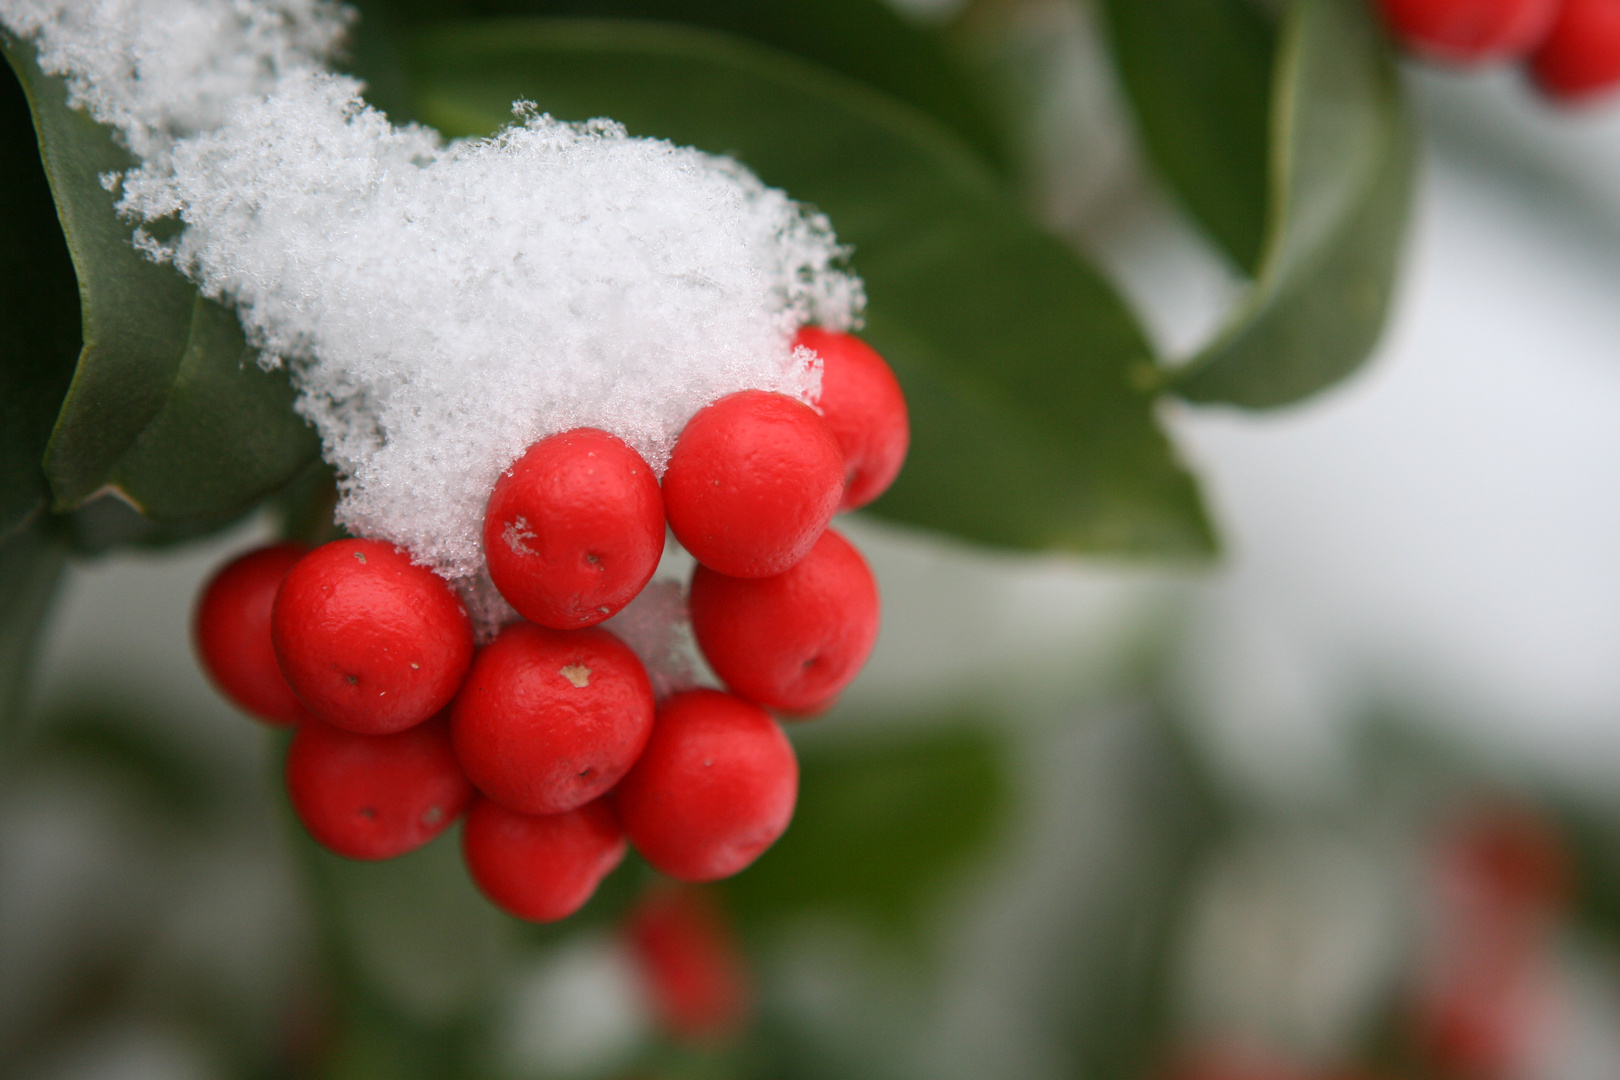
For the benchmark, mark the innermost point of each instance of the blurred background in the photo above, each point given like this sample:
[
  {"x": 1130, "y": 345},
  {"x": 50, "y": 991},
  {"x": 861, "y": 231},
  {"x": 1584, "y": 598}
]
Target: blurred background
[{"x": 1343, "y": 804}]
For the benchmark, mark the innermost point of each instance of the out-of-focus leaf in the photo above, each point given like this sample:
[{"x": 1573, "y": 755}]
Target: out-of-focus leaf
[
  {"x": 170, "y": 776},
  {"x": 1016, "y": 357},
  {"x": 39, "y": 313},
  {"x": 1116, "y": 1012},
  {"x": 31, "y": 562},
  {"x": 1199, "y": 77},
  {"x": 418, "y": 932},
  {"x": 878, "y": 827},
  {"x": 1341, "y": 176},
  {"x": 165, "y": 405},
  {"x": 867, "y": 40}
]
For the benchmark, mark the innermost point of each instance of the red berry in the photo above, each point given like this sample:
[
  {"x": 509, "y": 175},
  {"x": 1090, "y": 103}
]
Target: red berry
[
  {"x": 541, "y": 868},
  {"x": 691, "y": 963},
  {"x": 861, "y": 402},
  {"x": 1470, "y": 31},
  {"x": 714, "y": 788},
  {"x": 370, "y": 641},
  {"x": 550, "y": 719},
  {"x": 1581, "y": 57},
  {"x": 375, "y": 796},
  {"x": 794, "y": 641},
  {"x": 231, "y": 630},
  {"x": 753, "y": 480},
  {"x": 1504, "y": 863},
  {"x": 574, "y": 529}
]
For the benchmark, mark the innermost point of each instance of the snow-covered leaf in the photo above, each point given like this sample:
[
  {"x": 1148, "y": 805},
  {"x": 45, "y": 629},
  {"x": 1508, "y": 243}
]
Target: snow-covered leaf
[{"x": 165, "y": 404}]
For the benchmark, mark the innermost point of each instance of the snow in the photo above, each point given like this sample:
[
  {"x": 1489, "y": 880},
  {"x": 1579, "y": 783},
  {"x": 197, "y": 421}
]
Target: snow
[{"x": 441, "y": 305}]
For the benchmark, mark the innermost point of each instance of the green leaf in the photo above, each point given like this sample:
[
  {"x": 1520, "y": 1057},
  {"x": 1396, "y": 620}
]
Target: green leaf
[
  {"x": 879, "y": 827},
  {"x": 1198, "y": 73},
  {"x": 1016, "y": 356},
  {"x": 226, "y": 435},
  {"x": 108, "y": 521},
  {"x": 867, "y": 40},
  {"x": 1341, "y": 178},
  {"x": 31, "y": 562},
  {"x": 166, "y": 405},
  {"x": 39, "y": 313}
]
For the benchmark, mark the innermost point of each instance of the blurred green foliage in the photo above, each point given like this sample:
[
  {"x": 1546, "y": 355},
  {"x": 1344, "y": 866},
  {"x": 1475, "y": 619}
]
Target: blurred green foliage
[{"x": 1031, "y": 384}]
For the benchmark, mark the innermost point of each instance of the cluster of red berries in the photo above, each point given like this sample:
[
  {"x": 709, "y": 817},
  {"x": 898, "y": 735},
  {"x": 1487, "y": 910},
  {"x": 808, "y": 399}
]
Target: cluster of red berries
[
  {"x": 549, "y": 738},
  {"x": 1571, "y": 47}
]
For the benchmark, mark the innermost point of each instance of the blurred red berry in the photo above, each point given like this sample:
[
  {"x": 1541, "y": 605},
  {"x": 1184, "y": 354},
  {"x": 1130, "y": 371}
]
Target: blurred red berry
[
  {"x": 541, "y": 868},
  {"x": 1581, "y": 57},
  {"x": 691, "y": 963},
  {"x": 231, "y": 632},
  {"x": 863, "y": 405},
  {"x": 548, "y": 720},
  {"x": 1502, "y": 861},
  {"x": 375, "y": 796},
  {"x": 1470, "y": 31},
  {"x": 370, "y": 641},
  {"x": 1503, "y": 879},
  {"x": 574, "y": 529},
  {"x": 714, "y": 788},
  {"x": 753, "y": 480}
]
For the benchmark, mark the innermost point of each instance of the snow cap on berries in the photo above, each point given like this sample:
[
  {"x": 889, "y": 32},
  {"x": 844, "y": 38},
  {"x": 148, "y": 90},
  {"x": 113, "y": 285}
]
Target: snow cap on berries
[{"x": 442, "y": 306}]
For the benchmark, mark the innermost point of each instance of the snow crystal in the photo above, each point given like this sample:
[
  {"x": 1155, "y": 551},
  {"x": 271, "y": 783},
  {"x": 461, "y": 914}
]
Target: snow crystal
[
  {"x": 441, "y": 306},
  {"x": 159, "y": 69},
  {"x": 658, "y": 628}
]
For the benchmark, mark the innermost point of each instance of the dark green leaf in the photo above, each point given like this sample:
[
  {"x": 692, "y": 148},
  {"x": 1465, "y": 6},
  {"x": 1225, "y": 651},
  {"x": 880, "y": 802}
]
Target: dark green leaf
[
  {"x": 108, "y": 522},
  {"x": 136, "y": 313},
  {"x": 144, "y": 750},
  {"x": 226, "y": 435},
  {"x": 1199, "y": 76},
  {"x": 866, "y": 40},
  {"x": 1017, "y": 358},
  {"x": 39, "y": 313},
  {"x": 879, "y": 827},
  {"x": 1341, "y": 185},
  {"x": 166, "y": 406},
  {"x": 31, "y": 562}
]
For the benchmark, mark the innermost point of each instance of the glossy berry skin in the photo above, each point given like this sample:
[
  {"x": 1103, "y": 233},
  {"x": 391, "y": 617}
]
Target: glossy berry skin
[
  {"x": 550, "y": 719},
  {"x": 368, "y": 640},
  {"x": 574, "y": 529},
  {"x": 231, "y": 632},
  {"x": 1581, "y": 57},
  {"x": 714, "y": 788},
  {"x": 691, "y": 963},
  {"x": 862, "y": 404},
  {"x": 794, "y": 641},
  {"x": 375, "y": 796},
  {"x": 541, "y": 868},
  {"x": 753, "y": 480},
  {"x": 1470, "y": 31}
]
